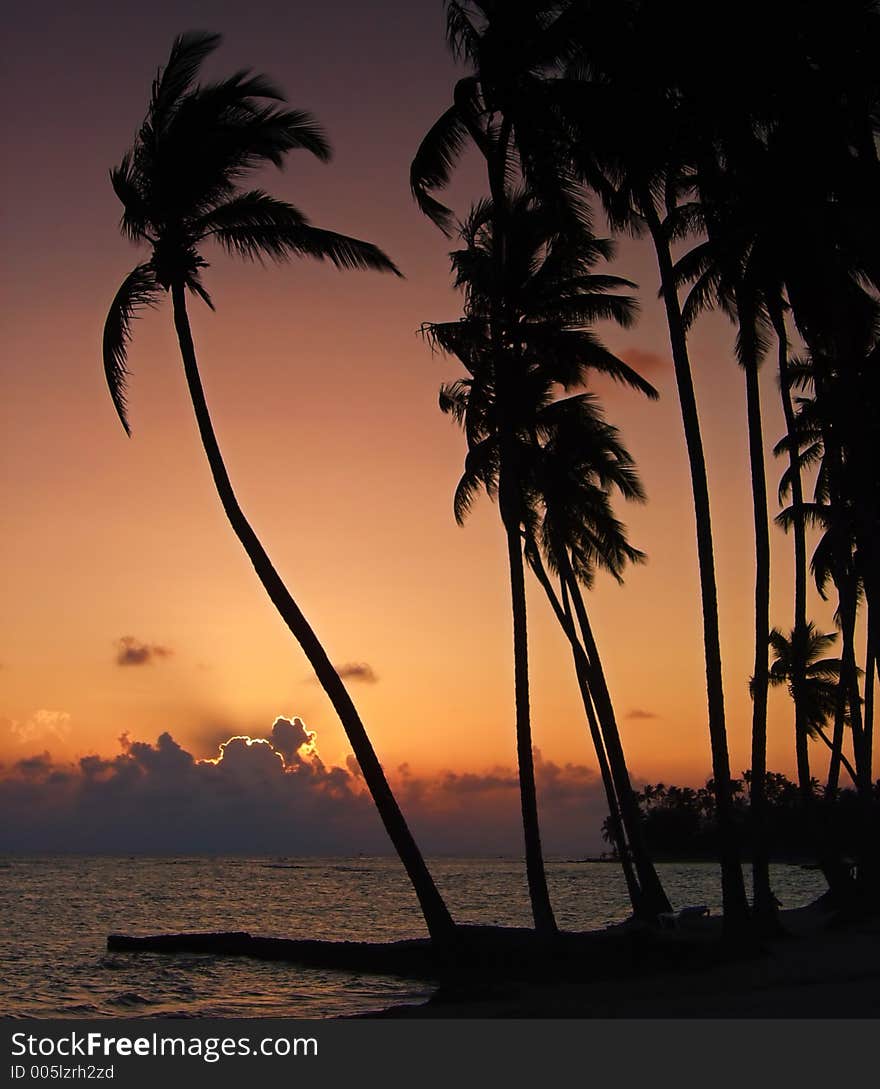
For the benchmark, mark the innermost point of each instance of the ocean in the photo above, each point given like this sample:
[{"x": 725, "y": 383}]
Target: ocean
[{"x": 58, "y": 910}]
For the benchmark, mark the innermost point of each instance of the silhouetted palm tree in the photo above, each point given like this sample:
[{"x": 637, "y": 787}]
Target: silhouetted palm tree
[
  {"x": 180, "y": 188},
  {"x": 800, "y": 659},
  {"x": 571, "y": 475},
  {"x": 633, "y": 137},
  {"x": 836, "y": 559},
  {"x": 546, "y": 295},
  {"x": 733, "y": 269}
]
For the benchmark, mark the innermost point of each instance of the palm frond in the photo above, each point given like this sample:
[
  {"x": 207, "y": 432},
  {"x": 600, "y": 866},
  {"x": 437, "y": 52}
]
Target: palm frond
[
  {"x": 461, "y": 34},
  {"x": 270, "y": 228},
  {"x": 135, "y": 214},
  {"x": 139, "y": 289},
  {"x": 432, "y": 165},
  {"x": 251, "y": 209},
  {"x": 187, "y": 55},
  {"x": 195, "y": 285},
  {"x": 453, "y": 398}
]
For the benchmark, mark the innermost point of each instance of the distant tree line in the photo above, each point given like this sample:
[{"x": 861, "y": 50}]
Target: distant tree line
[{"x": 680, "y": 823}]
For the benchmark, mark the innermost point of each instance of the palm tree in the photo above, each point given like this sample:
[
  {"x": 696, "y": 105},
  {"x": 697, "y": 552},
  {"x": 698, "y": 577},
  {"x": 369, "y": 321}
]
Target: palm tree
[
  {"x": 571, "y": 476},
  {"x": 733, "y": 269},
  {"x": 820, "y": 439},
  {"x": 800, "y": 661},
  {"x": 613, "y": 828},
  {"x": 180, "y": 187},
  {"x": 632, "y": 138},
  {"x": 547, "y": 296},
  {"x": 836, "y": 559}
]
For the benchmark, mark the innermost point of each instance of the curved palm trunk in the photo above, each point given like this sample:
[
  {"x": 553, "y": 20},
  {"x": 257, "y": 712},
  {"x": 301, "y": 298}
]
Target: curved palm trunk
[
  {"x": 624, "y": 853},
  {"x": 581, "y": 665},
  {"x": 542, "y": 912},
  {"x": 736, "y": 909},
  {"x": 654, "y": 898},
  {"x": 764, "y": 902},
  {"x": 437, "y": 917}
]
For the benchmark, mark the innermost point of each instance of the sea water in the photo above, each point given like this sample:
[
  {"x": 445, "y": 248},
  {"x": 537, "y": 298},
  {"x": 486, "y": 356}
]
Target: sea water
[{"x": 57, "y": 911}]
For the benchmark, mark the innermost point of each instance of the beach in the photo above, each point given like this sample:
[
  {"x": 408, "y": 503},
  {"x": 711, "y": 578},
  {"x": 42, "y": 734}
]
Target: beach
[{"x": 813, "y": 972}]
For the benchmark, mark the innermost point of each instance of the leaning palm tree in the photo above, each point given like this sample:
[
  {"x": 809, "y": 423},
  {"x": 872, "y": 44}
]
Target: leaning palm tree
[
  {"x": 574, "y": 469},
  {"x": 180, "y": 188},
  {"x": 530, "y": 295}
]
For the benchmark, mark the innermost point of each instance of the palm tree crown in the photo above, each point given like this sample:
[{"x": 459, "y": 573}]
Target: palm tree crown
[
  {"x": 801, "y": 664},
  {"x": 180, "y": 186}
]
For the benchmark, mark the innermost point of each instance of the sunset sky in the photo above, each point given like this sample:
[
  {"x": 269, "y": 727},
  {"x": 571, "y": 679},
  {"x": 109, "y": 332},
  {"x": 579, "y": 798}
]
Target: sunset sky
[{"x": 129, "y": 607}]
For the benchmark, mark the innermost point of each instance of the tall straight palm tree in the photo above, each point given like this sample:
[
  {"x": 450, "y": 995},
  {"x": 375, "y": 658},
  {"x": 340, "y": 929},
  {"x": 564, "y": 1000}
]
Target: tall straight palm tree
[
  {"x": 633, "y": 157},
  {"x": 837, "y": 560},
  {"x": 180, "y": 187},
  {"x": 733, "y": 269}
]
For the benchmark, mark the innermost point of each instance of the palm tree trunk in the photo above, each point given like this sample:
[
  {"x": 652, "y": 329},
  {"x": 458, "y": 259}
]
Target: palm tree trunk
[
  {"x": 735, "y": 903},
  {"x": 799, "y": 532},
  {"x": 542, "y": 912},
  {"x": 764, "y": 902},
  {"x": 654, "y": 898},
  {"x": 581, "y": 665},
  {"x": 837, "y": 737},
  {"x": 820, "y": 831},
  {"x": 869, "y": 863},
  {"x": 870, "y": 670},
  {"x": 850, "y": 674},
  {"x": 870, "y": 878},
  {"x": 437, "y": 917}
]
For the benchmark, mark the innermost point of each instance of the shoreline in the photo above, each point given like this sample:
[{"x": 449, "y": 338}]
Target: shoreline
[
  {"x": 817, "y": 967},
  {"x": 812, "y": 971}
]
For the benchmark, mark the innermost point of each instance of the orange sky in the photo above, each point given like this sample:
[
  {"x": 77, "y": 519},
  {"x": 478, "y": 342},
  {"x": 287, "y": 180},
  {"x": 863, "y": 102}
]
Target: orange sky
[{"x": 324, "y": 399}]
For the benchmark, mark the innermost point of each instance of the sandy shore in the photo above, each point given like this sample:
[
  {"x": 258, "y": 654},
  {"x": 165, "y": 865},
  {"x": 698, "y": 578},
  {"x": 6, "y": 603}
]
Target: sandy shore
[{"x": 812, "y": 972}]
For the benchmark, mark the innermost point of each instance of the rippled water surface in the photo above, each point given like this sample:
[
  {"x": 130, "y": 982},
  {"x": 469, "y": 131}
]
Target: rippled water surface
[{"x": 58, "y": 911}]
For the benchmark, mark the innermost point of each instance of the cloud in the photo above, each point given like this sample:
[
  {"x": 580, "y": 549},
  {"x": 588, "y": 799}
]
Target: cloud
[
  {"x": 641, "y": 713},
  {"x": 647, "y": 363},
  {"x": 35, "y": 767},
  {"x": 357, "y": 671},
  {"x": 43, "y": 725},
  {"x": 131, "y": 652},
  {"x": 289, "y": 737},
  {"x": 275, "y": 795}
]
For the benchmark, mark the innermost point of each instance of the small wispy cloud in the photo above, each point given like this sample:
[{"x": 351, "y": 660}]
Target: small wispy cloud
[
  {"x": 357, "y": 671},
  {"x": 132, "y": 652},
  {"x": 354, "y": 671},
  {"x": 644, "y": 361},
  {"x": 640, "y": 712},
  {"x": 42, "y": 725}
]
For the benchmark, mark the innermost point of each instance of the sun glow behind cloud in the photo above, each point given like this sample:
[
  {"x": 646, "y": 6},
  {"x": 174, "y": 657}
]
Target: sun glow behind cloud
[{"x": 262, "y": 795}]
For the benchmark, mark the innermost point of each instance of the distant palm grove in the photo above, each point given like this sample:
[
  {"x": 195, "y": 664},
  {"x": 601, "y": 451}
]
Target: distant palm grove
[{"x": 752, "y": 170}]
